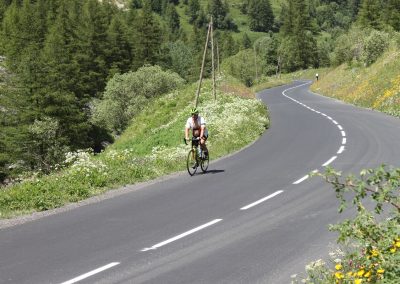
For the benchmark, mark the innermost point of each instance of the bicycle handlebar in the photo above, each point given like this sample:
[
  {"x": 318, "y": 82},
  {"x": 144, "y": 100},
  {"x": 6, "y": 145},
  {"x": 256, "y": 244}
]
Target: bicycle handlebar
[{"x": 193, "y": 139}]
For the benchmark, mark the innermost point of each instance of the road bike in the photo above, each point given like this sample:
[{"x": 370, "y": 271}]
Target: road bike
[{"x": 196, "y": 157}]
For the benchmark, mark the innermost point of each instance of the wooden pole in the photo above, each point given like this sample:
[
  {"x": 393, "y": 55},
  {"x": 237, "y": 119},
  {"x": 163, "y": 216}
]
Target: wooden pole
[
  {"x": 255, "y": 61},
  {"x": 219, "y": 72},
  {"x": 212, "y": 60},
  {"x": 202, "y": 66}
]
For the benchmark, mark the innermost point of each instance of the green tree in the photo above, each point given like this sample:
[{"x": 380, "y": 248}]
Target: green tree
[
  {"x": 370, "y": 14},
  {"x": 391, "y": 14},
  {"x": 219, "y": 10},
  {"x": 148, "y": 38},
  {"x": 261, "y": 17},
  {"x": 193, "y": 10},
  {"x": 172, "y": 22},
  {"x": 119, "y": 54},
  {"x": 297, "y": 31}
]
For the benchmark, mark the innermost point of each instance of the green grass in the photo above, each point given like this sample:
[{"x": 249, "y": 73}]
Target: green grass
[{"x": 151, "y": 147}]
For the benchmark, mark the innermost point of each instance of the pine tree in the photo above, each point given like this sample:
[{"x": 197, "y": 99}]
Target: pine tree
[
  {"x": 370, "y": 14},
  {"x": 119, "y": 54},
  {"x": 391, "y": 15},
  {"x": 148, "y": 40},
  {"x": 62, "y": 98},
  {"x": 193, "y": 10},
  {"x": 219, "y": 10},
  {"x": 260, "y": 15},
  {"x": 172, "y": 22},
  {"x": 297, "y": 33}
]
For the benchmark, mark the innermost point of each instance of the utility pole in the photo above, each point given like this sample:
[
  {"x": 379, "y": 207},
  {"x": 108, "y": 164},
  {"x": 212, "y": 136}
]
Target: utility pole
[
  {"x": 255, "y": 60},
  {"x": 202, "y": 65},
  {"x": 212, "y": 59}
]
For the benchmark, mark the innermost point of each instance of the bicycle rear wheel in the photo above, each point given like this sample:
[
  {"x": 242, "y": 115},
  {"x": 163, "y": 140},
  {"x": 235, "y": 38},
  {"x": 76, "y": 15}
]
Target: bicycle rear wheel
[
  {"x": 191, "y": 162},
  {"x": 204, "y": 163}
]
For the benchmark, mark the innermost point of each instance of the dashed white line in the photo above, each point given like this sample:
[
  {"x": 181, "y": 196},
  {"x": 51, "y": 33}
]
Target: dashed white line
[
  {"x": 304, "y": 178},
  {"x": 261, "y": 200},
  {"x": 341, "y": 149},
  {"x": 335, "y": 122},
  {"x": 300, "y": 180},
  {"x": 91, "y": 273},
  {"x": 343, "y": 133},
  {"x": 340, "y": 127},
  {"x": 344, "y": 140},
  {"x": 156, "y": 246},
  {"x": 329, "y": 161}
]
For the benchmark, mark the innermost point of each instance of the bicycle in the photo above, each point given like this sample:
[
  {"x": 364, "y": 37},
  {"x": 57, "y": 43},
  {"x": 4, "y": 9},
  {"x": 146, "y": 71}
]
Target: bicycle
[{"x": 196, "y": 157}]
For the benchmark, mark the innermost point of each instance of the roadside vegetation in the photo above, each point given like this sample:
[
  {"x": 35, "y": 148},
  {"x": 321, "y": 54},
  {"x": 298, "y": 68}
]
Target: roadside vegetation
[
  {"x": 369, "y": 243},
  {"x": 151, "y": 146},
  {"x": 371, "y": 85}
]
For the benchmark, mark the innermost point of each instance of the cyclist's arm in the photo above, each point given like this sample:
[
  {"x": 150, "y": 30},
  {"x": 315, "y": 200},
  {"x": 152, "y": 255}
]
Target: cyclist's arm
[{"x": 186, "y": 133}]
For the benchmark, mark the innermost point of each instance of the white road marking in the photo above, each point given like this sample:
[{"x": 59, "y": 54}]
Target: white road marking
[
  {"x": 261, "y": 200},
  {"x": 300, "y": 180},
  {"x": 343, "y": 133},
  {"x": 335, "y": 122},
  {"x": 329, "y": 161},
  {"x": 304, "y": 178},
  {"x": 156, "y": 246},
  {"x": 341, "y": 149},
  {"x": 344, "y": 140},
  {"x": 91, "y": 273},
  {"x": 340, "y": 127}
]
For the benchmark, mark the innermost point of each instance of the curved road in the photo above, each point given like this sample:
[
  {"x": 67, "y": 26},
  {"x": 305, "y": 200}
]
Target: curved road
[{"x": 254, "y": 218}]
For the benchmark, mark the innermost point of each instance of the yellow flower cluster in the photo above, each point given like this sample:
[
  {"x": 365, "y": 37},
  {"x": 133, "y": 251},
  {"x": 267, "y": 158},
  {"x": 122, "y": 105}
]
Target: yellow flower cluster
[
  {"x": 395, "y": 246},
  {"x": 390, "y": 96}
]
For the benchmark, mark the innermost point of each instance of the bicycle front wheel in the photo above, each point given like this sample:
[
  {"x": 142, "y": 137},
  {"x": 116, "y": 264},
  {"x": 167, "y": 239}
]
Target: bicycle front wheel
[
  {"x": 191, "y": 162},
  {"x": 204, "y": 163}
]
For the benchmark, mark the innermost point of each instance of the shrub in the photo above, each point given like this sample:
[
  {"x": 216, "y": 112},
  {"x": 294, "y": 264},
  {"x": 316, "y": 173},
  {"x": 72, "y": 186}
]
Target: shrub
[
  {"x": 372, "y": 243},
  {"x": 127, "y": 94},
  {"x": 374, "y": 46}
]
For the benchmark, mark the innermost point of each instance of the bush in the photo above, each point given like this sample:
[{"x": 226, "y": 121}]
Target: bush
[
  {"x": 127, "y": 94},
  {"x": 371, "y": 242},
  {"x": 374, "y": 46}
]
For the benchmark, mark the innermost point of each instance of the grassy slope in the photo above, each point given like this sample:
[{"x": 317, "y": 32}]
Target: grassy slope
[
  {"x": 152, "y": 146},
  {"x": 376, "y": 87}
]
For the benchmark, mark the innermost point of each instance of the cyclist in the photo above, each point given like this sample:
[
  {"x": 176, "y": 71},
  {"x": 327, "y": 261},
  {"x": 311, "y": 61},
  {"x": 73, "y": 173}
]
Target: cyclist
[{"x": 198, "y": 125}]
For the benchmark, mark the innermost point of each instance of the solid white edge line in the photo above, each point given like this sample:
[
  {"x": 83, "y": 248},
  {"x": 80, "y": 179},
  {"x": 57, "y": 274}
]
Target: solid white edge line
[
  {"x": 344, "y": 140},
  {"x": 91, "y": 273},
  {"x": 329, "y": 161},
  {"x": 261, "y": 200},
  {"x": 156, "y": 246},
  {"x": 341, "y": 149}
]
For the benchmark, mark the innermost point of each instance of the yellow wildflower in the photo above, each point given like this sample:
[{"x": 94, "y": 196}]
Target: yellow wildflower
[
  {"x": 360, "y": 272},
  {"x": 349, "y": 274},
  {"x": 368, "y": 274},
  {"x": 393, "y": 250},
  {"x": 357, "y": 281},
  {"x": 338, "y": 266},
  {"x": 339, "y": 275},
  {"x": 380, "y": 271},
  {"x": 374, "y": 252},
  {"x": 398, "y": 244}
]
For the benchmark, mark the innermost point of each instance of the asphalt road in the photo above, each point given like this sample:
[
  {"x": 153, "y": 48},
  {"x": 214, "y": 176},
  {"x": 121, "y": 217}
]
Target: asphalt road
[{"x": 254, "y": 218}]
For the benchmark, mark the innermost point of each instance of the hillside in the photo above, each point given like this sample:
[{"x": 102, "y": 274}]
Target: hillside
[{"x": 376, "y": 87}]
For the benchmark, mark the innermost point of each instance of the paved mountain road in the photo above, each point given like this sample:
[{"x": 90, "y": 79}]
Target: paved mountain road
[{"x": 254, "y": 218}]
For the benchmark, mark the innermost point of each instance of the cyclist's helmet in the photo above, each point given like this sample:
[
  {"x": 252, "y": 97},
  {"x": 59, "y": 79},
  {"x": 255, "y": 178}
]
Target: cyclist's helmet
[{"x": 194, "y": 111}]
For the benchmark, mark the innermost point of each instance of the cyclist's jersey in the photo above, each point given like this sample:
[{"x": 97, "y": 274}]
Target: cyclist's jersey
[{"x": 196, "y": 125}]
